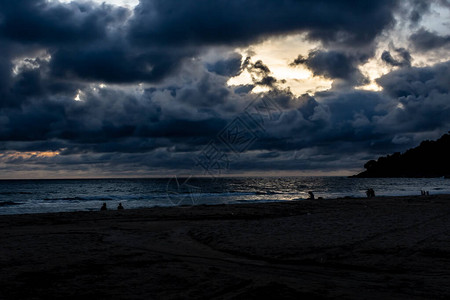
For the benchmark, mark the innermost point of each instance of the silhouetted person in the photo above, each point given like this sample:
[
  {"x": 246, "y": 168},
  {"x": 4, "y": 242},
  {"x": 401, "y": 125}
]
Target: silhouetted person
[
  {"x": 120, "y": 207},
  {"x": 103, "y": 207},
  {"x": 428, "y": 193},
  {"x": 370, "y": 193},
  {"x": 311, "y": 195}
]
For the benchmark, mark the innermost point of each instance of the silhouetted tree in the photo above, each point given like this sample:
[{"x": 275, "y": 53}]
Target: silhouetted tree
[{"x": 429, "y": 159}]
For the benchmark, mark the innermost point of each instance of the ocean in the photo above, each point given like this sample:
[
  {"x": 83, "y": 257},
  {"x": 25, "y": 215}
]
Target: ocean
[{"x": 42, "y": 196}]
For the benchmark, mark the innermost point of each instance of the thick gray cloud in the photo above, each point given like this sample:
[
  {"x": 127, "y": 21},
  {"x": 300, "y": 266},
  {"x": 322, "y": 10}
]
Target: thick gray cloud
[
  {"x": 91, "y": 42},
  {"x": 30, "y": 30},
  {"x": 423, "y": 99},
  {"x": 229, "y": 67},
  {"x": 44, "y": 22},
  {"x": 111, "y": 64},
  {"x": 334, "y": 65},
  {"x": 424, "y": 40},
  {"x": 238, "y": 22}
]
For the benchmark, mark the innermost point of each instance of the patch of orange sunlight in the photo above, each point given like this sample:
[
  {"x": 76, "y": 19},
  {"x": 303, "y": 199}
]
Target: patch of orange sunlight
[{"x": 29, "y": 154}]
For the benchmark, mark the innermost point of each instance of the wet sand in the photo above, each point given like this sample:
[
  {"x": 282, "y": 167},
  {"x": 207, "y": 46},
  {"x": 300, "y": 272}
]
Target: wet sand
[{"x": 387, "y": 247}]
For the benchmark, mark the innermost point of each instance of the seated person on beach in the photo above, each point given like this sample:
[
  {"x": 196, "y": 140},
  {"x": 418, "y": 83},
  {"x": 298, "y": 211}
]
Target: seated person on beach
[
  {"x": 311, "y": 195},
  {"x": 370, "y": 193},
  {"x": 103, "y": 207},
  {"x": 120, "y": 207}
]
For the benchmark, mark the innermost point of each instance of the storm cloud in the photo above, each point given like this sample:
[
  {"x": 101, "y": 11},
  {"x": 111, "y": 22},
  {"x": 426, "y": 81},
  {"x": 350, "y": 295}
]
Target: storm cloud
[
  {"x": 240, "y": 22},
  {"x": 333, "y": 65},
  {"x": 107, "y": 89},
  {"x": 403, "y": 58},
  {"x": 425, "y": 40}
]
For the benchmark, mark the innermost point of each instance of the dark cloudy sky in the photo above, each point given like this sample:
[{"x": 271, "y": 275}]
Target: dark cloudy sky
[{"x": 162, "y": 87}]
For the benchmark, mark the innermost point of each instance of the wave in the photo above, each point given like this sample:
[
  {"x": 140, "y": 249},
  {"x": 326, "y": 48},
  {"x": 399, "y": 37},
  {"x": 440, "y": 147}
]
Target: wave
[
  {"x": 106, "y": 198},
  {"x": 267, "y": 193},
  {"x": 261, "y": 201}
]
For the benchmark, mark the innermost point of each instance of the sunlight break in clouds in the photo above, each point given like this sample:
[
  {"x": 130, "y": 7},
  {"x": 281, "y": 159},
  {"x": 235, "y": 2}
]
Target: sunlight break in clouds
[{"x": 277, "y": 53}]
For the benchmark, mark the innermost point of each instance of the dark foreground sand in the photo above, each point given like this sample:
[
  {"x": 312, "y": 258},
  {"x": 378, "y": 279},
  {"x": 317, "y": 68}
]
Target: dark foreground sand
[{"x": 346, "y": 248}]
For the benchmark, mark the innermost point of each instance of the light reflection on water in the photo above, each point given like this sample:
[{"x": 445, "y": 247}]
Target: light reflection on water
[{"x": 34, "y": 196}]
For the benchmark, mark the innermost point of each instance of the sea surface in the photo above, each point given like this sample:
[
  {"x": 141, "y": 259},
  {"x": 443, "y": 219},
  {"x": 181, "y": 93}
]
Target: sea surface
[{"x": 40, "y": 196}]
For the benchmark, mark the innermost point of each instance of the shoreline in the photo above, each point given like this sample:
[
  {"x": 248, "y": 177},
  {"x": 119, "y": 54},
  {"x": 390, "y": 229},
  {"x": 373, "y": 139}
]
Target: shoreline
[
  {"x": 239, "y": 204},
  {"x": 390, "y": 247}
]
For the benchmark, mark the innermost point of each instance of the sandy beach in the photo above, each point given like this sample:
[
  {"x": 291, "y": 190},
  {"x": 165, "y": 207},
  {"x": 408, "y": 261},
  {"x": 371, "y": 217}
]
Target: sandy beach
[{"x": 386, "y": 247}]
